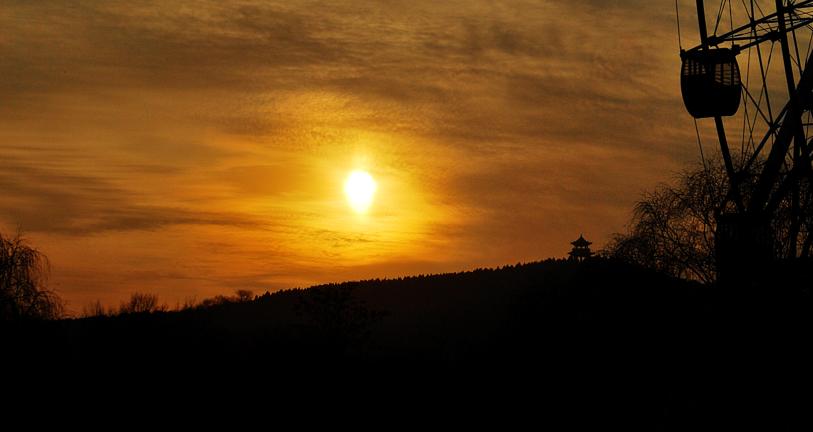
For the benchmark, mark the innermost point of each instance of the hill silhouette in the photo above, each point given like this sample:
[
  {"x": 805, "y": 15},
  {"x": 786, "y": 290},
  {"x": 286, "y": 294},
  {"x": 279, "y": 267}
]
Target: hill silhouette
[{"x": 560, "y": 327}]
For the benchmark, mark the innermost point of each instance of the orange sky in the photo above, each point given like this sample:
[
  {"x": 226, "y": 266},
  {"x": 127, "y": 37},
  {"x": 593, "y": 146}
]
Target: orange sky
[{"x": 195, "y": 148}]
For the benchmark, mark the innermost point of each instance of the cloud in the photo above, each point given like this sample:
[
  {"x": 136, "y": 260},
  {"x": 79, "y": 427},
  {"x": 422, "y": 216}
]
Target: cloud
[
  {"x": 56, "y": 201},
  {"x": 513, "y": 125}
]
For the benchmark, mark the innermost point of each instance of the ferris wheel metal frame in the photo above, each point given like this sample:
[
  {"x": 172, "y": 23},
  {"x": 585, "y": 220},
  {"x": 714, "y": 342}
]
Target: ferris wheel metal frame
[{"x": 780, "y": 151}]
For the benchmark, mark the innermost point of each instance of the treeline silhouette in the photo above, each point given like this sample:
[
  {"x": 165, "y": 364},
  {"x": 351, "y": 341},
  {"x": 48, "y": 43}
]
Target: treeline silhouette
[
  {"x": 600, "y": 334},
  {"x": 140, "y": 302}
]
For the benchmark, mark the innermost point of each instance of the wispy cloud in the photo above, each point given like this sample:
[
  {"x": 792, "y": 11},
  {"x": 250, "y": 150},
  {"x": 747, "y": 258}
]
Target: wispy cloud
[{"x": 53, "y": 201}]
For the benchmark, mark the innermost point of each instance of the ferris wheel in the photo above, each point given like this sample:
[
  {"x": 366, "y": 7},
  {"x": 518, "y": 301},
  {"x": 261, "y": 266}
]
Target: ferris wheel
[{"x": 752, "y": 74}]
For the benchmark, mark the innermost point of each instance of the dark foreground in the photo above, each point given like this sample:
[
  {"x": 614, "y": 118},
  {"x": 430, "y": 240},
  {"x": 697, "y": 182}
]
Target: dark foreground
[{"x": 598, "y": 340}]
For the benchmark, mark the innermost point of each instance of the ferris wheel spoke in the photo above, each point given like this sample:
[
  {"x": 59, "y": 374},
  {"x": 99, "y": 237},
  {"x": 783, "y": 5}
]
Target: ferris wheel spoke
[
  {"x": 751, "y": 122},
  {"x": 762, "y": 68},
  {"x": 797, "y": 59},
  {"x": 759, "y": 8},
  {"x": 748, "y": 144},
  {"x": 745, "y": 144},
  {"x": 719, "y": 16},
  {"x": 809, "y": 42},
  {"x": 758, "y": 112},
  {"x": 730, "y": 18},
  {"x": 745, "y": 128},
  {"x": 765, "y": 27},
  {"x": 769, "y": 135},
  {"x": 802, "y": 13}
]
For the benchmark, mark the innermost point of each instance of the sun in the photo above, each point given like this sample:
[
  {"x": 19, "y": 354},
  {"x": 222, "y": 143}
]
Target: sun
[{"x": 360, "y": 189}]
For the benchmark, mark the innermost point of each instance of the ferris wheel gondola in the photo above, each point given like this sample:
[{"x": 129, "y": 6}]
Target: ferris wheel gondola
[{"x": 710, "y": 82}]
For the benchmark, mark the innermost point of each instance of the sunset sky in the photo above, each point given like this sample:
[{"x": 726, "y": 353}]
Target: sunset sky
[{"x": 192, "y": 148}]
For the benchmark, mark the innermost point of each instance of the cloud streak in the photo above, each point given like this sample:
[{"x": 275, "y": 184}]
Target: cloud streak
[{"x": 52, "y": 201}]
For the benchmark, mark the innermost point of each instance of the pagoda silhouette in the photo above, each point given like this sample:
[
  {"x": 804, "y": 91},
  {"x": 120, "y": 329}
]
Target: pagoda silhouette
[{"x": 581, "y": 249}]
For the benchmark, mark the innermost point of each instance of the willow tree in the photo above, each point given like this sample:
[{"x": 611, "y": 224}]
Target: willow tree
[{"x": 23, "y": 276}]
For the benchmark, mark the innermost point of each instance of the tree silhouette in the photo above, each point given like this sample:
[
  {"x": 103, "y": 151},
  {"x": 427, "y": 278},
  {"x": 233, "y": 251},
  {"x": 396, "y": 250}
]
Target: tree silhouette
[
  {"x": 95, "y": 309},
  {"x": 142, "y": 303},
  {"x": 673, "y": 228},
  {"x": 23, "y": 276},
  {"x": 244, "y": 295}
]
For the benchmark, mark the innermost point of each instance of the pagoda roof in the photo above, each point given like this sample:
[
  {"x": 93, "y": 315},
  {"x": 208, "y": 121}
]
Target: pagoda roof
[{"x": 581, "y": 241}]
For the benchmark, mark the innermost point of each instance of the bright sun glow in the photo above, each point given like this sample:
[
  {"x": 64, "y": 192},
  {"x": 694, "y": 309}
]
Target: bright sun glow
[{"x": 360, "y": 189}]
